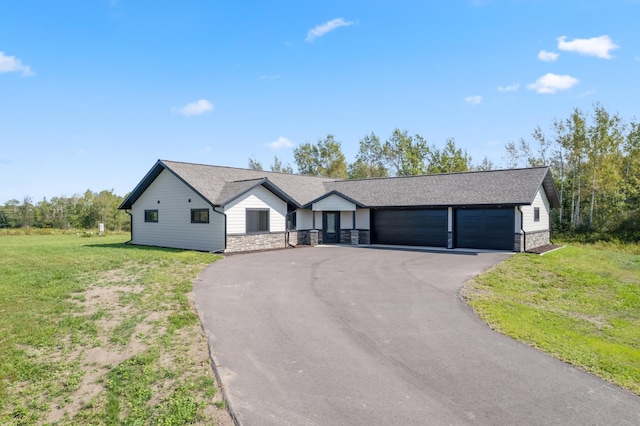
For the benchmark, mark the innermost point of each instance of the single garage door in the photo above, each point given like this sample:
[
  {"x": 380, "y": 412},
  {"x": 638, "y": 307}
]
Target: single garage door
[
  {"x": 484, "y": 228},
  {"x": 419, "y": 227}
]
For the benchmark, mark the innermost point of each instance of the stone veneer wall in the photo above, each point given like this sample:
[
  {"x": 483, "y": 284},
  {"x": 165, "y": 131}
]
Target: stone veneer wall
[
  {"x": 310, "y": 237},
  {"x": 533, "y": 239},
  {"x": 364, "y": 236},
  {"x": 345, "y": 236},
  {"x": 291, "y": 237},
  {"x": 537, "y": 239},
  {"x": 273, "y": 240},
  {"x": 517, "y": 246}
]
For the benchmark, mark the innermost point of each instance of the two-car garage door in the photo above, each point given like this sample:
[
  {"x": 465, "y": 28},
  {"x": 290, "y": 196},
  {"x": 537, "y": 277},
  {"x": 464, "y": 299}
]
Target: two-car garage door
[
  {"x": 419, "y": 227},
  {"x": 488, "y": 228},
  {"x": 484, "y": 228}
]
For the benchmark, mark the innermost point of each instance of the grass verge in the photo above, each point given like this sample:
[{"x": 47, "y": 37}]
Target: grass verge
[
  {"x": 580, "y": 304},
  {"x": 99, "y": 332}
]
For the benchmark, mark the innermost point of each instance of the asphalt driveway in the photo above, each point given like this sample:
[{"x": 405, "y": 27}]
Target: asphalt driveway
[{"x": 362, "y": 336}]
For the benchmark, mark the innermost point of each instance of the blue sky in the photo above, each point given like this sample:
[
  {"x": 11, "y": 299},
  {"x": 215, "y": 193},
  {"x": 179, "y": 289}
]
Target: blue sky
[{"x": 92, "y": 93}]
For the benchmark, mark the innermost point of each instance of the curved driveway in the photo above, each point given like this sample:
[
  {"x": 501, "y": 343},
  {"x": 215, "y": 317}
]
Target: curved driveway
[{"x": 364, "y": 336}]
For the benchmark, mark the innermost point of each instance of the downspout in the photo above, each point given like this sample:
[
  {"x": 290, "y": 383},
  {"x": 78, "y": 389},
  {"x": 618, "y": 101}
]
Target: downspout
[
  {"x": 287, "y": 231},
  {"x": 127, "y": 211},
  {"x": 524, "y": 234},
  {"x": 225, "y": 227}
]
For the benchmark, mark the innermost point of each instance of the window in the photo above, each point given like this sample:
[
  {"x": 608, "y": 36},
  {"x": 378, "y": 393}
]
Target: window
[
  {"x": 151, "y": 215},
  {"x": 257, "y": 221},
  {"x": 199, "y": 215},
  {"x": 536, "y": 214},
  {"x": 291, "y": 221}
]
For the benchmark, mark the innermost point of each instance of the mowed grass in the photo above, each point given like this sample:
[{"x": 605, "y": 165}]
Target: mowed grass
[
  {"x": 580, "y": 304},
  {"x": 98, "y": 332}
]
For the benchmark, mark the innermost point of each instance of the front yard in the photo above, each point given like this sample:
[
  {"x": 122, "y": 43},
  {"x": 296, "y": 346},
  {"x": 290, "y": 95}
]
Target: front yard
[
  {"x": 580, "y": 304},
  {"x": 98, "y": 332}
]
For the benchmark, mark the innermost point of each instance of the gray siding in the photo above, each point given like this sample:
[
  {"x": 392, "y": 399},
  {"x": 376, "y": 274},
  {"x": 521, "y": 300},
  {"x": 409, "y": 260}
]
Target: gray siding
[{"x": 174, "y": 227}]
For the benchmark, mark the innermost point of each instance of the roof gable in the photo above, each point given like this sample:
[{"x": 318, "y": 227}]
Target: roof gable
[{"x": 329, "y": 194}]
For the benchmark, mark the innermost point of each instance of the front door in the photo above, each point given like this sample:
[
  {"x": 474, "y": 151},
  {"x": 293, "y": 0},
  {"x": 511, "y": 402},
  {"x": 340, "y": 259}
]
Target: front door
[{"x": 330, "y": 227}]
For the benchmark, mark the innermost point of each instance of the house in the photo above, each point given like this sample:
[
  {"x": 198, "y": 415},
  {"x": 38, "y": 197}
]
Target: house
[{"x": 225, "y": 209}]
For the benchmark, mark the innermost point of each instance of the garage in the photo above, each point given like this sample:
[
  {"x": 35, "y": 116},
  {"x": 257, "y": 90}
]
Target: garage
[
  {"x": 411, "y": 227},
  {"x": 484, "y": 228}
]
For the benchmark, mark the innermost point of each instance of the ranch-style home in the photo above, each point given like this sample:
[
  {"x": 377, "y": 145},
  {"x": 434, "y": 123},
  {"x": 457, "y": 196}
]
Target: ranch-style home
[{"x": 225, "y": 209}]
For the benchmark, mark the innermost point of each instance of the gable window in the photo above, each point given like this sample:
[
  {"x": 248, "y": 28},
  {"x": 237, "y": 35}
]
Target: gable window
[
  {"x": 199, "y": 215},
  {"x": 151, "y": 215},
  {"x": 257, "y": 220},
  {"x": 536, "y": 214}
]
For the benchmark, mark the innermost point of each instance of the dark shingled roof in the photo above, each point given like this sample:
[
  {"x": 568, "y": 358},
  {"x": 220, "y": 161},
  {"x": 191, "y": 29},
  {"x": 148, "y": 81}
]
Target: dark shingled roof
[
  {"x": 495, "y": 187},
  {"x": 216, "y": 184},
  {"x": 220, "y": 185}
]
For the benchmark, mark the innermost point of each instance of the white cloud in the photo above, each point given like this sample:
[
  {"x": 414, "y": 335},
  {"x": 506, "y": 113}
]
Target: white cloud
[
  {"x": 511, "y": 88},
  {"x": 282, "y": 142},
  {"x": 473, "y": 100},
  {"x": 321, "y": 30},
  {"x": 545, "y": 56},
  {"x": 596, "y": 46},
  {"x": 195, "y": 108},
  {"x": 11, "y": 64},
  {"x": 551, "y": 83}
]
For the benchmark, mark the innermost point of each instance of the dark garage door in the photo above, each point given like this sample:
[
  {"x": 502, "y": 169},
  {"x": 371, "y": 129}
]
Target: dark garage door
[
  {"x": 410, "y": 227},
  {"x": 484, "y": 228}
]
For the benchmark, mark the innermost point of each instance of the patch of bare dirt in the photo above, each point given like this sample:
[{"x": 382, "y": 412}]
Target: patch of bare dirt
[{"x": 105, "y": 297}]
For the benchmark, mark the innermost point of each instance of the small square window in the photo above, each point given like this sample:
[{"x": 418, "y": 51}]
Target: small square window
[
  {"x": 536, "y": 214},
  {"x": 257, "y": 221},
  {"x": 199, "y": 215},
  {"x": 151, "y": 215}
]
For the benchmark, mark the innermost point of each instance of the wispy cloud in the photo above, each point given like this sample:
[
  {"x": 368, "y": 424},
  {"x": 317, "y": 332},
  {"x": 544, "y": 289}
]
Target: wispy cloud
[
  {"x": 194, "y": 108},
  {"x": 545, "y": 56},
  {"x": 329, "y": 26},
  {"x": 511, "y": 88},
  {"x": 550, "y": 83},
  {"x": 588, "y": 93},
  {"x": 638, "y": 58},
  {"x": 282, "y": 142},
  {"x": 269, "y": 77},
  {"x": 12, "y": 64},
  {"x": 473, "y": 100},
  {"x": 596, "y": 46}
]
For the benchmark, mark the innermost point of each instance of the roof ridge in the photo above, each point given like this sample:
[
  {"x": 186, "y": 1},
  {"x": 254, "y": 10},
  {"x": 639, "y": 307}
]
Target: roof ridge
[
  {"x": 246, "y": 169},
  {"x": 443, "y": 174}
]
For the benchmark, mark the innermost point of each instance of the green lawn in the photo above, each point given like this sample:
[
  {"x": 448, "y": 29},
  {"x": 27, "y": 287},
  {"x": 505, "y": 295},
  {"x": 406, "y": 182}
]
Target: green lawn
[
  {"x": 98, "y": 332},
  {"x": 580, "y": 304}
]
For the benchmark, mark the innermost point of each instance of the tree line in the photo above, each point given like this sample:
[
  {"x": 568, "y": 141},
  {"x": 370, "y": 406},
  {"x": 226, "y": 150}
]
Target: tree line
[
  {"x": 401, "y": 154},
  {"x": 78, "y": 211},
  {"x": 594, "y": 157}
]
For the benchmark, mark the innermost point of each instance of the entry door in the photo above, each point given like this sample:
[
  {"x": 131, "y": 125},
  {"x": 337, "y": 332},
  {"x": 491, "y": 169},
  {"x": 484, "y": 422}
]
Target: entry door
[{"x": 330, "y": 227}]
